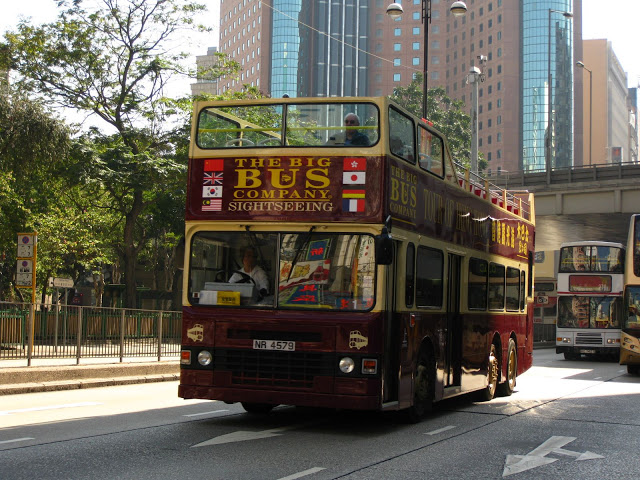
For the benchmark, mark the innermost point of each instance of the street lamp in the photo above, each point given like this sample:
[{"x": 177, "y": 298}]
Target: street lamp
[
  {"x": 395, "y": 10},
  {"x": 549, "y": 138},
  {"x": 581, "y": 65}
]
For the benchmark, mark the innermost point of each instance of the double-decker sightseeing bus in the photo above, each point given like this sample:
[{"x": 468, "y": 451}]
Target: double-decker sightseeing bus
[
  {"x": 630, "y": 336},
  {"x": 334, "y": 258},
  {"x": 590, "y": 284},
  {"x": 545, "y": 296}
]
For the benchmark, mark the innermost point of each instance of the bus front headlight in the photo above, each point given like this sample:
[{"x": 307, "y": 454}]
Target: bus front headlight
[
  {"x": 346, "y": 365},
  {"x": 205, "y": 358}
]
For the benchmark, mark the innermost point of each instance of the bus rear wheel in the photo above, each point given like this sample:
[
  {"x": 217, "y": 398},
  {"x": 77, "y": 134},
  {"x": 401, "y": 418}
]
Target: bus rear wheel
[
  {"x": 258, "y": 408},
  {"x": 423, "y": 387},
  {"x": 506, "y": 388},
  {"x": 493, "y": 373}
]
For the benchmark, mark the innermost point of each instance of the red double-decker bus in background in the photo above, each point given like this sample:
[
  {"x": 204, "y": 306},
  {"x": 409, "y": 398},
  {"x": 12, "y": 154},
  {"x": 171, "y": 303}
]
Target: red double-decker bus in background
[{"x": 335, "y": 258}]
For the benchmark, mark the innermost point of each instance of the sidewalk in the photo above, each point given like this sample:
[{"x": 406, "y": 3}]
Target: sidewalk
[{"x": 45, "y": 375}]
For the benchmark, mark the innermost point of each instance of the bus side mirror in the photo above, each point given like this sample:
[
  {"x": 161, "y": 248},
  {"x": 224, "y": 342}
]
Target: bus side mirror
[{"x": 384, "y": 248}]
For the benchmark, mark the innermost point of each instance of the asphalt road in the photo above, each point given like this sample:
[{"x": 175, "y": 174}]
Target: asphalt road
[{"x": 566, "y": 419}]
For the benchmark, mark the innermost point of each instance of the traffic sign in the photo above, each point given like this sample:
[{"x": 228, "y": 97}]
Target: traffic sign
[{"x": 61, "y": 282}]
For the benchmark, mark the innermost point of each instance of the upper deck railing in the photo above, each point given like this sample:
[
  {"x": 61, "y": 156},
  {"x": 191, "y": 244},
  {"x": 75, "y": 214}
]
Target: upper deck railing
[{"x": 515, "y": 201}]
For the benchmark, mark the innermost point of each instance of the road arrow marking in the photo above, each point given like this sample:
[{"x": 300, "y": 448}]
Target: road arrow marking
[
  {"x": 243, "y": 435},
  {"x": 440, "y": 430},
  {"x": 311, "y": 471},
  {"x": 537, "y": 456}
]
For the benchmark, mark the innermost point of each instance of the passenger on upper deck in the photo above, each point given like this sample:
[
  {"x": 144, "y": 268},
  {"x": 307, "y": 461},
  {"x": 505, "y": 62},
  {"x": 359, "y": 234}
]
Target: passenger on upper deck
[{"x": 352, "y": 135}]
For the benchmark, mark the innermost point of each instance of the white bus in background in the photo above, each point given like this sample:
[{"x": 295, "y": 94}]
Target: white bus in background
[{"x": 590, "y": 287}]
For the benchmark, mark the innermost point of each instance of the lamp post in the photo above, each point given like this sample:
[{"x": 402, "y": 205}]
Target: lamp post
[
  {"x": 474, "y": 77},
  {"x": 581, "y": 65},
  {"x": 549, "y": 137},
  {"x": 395, "y": 10}
]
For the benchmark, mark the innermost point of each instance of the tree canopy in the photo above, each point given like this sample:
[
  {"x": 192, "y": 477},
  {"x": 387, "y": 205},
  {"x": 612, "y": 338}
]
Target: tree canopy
[{"x": 113, "y": 61}]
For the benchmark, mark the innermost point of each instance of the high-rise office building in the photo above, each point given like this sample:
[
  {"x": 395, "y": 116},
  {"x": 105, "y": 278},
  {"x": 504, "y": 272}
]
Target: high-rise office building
[{"x": 353, "y": 48}]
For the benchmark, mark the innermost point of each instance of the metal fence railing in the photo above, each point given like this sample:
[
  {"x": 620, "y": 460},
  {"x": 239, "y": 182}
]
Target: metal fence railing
[{"x": 68, "y": 331}]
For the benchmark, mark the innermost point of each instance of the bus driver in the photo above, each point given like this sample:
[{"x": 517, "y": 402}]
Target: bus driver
[{"x": 251, "y": 270}]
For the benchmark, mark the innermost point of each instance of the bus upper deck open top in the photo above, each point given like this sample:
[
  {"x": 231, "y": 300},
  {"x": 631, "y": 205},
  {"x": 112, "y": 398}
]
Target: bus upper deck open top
[{"x": 347, "y": 264}]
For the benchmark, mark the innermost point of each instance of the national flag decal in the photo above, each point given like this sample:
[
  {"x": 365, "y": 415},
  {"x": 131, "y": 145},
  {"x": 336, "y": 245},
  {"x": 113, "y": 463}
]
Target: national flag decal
[
  {"x": 211, "y": 192},
  {"x": 213, "y": 204},
  {"x": 212, "y": 177},
  {"x": 354, "y": 172},
  {"x": 354, "y": 164},
  {"x": 214, "y": 165},
  {"x": 353, "y": 205}
]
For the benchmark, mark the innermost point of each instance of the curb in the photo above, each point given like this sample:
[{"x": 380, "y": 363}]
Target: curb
[
  {"x": 19, "y": 388},
  {"x": 17, "y": 380}
]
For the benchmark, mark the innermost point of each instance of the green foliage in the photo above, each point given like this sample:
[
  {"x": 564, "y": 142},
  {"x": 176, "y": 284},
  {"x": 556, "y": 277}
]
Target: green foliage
[
  {"x": 114, "y": 61},
  {"x": 447, "y": 115},
  {"x": 33, "y": 148}
]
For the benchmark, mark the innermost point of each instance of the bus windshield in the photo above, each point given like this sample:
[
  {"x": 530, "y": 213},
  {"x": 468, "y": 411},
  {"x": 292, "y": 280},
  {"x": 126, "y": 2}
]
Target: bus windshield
[
  {"x": 632, "y": 301},
  {"x": 589, "y": 312},
  {"x": 305, "y": 270},
  {"x": 591, "y": 259},
  {"x": 288, "y": 125}
]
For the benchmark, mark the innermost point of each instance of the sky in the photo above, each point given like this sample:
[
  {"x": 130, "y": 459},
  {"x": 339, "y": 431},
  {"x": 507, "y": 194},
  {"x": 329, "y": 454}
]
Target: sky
[{"x": 600, "y": 19}]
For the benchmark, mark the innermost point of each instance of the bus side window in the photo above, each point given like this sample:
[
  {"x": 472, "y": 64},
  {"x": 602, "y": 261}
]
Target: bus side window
[
  {"x": 430, "y": 152},
  {"x": 496, "y": 286},
  {"x": 401, "y": 136},
  {"x": 477, "y": 285}
]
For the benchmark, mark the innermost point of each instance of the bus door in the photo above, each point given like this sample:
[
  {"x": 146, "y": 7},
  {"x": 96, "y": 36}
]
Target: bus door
[
  {"x": 393, "y": 331},
  {"x": 453, "y": 356}
]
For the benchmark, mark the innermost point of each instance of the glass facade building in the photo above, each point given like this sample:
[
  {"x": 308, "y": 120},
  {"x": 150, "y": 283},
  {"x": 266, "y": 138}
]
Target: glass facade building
[
  {"x": 547, "y": 84},
  {"x": 285, "y": 47},
  {"x": 335, "y": 48}
]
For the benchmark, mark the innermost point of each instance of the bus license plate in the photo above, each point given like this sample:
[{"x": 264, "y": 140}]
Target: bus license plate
[
  {"x": 274, "y": 345},
  {"x": 587, "y": 350}
]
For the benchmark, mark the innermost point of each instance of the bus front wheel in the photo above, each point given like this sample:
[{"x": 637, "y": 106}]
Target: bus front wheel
[
  {"x": 493, "y": 373},
  {"x": 633, "y": 369},
  {"x": 424, "y": 379},
  {"x": 507, "y": 387}
]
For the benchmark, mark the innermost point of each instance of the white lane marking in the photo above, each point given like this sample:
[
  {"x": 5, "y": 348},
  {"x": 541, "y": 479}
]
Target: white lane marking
[
  {"x": 597, "y": 378},
  {"x": 244, "y": 435},
  {"x": 24, "y": 439},
  {"x": 204, "y": 413},
  {"x": 311, "y": 471},
  {"x": 440, "y": 430},
  {"x": 538, "y": 456},
  {"x": 50, "y": 407}
]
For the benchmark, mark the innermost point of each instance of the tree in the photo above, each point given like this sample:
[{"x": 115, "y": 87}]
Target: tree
[
  {"x": 447, "y": 116},
  {"x": 114, "y": 62},
  {"x": 33, "y": 147}
]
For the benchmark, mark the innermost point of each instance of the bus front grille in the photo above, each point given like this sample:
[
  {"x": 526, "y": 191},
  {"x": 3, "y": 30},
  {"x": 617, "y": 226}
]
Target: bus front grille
[
  {"x": 590, "y": 339},
  {"x": 274, "y": 369}
]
